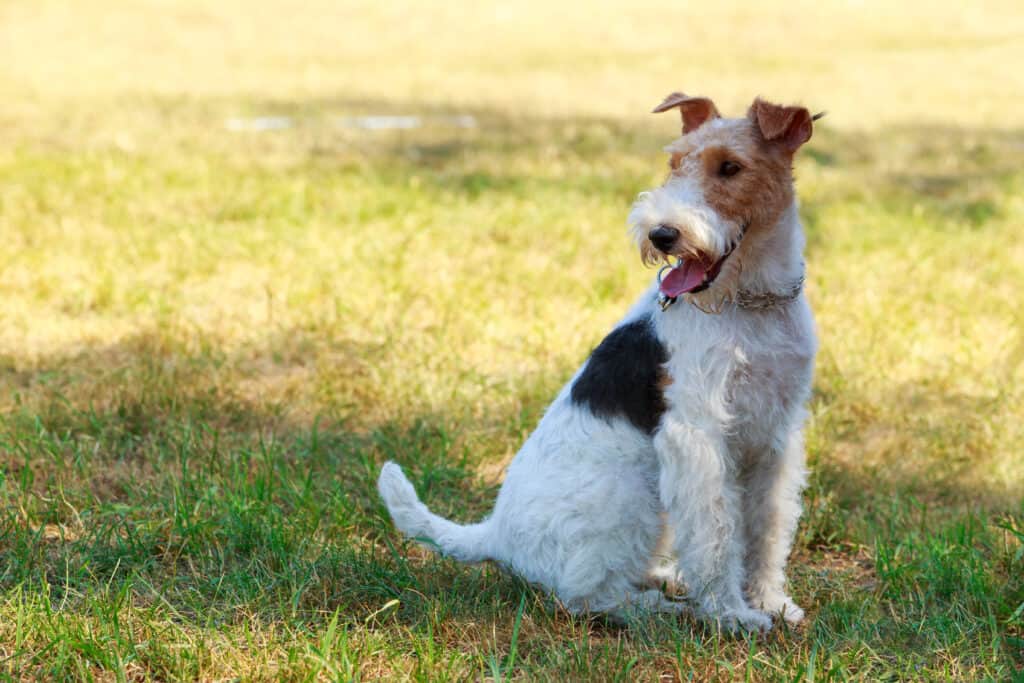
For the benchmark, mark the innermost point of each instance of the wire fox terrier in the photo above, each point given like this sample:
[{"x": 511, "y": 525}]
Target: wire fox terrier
[{"x": 685, "y": 423}]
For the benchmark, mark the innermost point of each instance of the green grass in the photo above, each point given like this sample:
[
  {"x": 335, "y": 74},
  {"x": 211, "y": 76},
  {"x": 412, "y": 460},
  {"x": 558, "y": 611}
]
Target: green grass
[{"x": 211, "y": 340}]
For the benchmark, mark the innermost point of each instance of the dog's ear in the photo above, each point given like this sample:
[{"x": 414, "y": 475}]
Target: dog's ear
[
  {"x": 788, "y": 126},
  {"x": 694, "y": 110}
]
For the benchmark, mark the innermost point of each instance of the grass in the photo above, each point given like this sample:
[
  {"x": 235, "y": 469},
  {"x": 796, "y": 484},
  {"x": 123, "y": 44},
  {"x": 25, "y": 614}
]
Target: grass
[{"x": 211, "y": 339}]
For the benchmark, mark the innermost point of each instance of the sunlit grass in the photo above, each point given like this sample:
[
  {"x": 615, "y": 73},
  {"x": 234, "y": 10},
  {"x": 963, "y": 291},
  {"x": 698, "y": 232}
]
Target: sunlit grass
[{"x": 210, "y": 339}]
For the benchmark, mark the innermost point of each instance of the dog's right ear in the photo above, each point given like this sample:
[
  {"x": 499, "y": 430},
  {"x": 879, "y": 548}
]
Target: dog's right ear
[{"x": 694, "y": 110}]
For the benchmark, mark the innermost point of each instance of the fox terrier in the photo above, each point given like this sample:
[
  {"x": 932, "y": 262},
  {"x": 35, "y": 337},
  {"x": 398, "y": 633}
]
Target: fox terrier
[{"x": 686, "y": 421}]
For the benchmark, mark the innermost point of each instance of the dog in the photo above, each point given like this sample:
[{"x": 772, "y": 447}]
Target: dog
[{"x": 687, "y": 418}]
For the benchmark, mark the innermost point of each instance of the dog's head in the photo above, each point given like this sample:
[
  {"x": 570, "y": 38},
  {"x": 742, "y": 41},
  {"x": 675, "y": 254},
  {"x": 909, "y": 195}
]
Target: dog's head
[{"x": 729, "y": 182}]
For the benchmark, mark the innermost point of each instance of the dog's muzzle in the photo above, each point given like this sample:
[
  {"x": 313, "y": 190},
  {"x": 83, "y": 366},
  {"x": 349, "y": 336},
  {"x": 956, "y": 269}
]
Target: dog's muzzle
[{"x": 688, "y": 275}]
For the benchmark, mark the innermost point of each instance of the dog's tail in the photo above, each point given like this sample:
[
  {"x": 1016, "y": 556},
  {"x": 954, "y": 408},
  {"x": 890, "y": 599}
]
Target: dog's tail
[{"x": 467, "y": 543}]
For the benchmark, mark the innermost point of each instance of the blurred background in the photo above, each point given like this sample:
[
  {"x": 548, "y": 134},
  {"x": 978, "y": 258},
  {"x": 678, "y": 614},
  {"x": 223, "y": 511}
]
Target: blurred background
[{"x": 248, "y": 251}]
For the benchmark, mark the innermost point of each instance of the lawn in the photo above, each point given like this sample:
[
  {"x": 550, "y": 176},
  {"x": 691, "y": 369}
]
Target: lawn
[{"x": 227, "y": 298}]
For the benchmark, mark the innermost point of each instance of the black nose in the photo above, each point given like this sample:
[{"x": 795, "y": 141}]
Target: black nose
[{"x": 663, "y": 237}]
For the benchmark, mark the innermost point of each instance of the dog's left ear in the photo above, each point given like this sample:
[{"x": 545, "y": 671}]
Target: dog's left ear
[
  {"x": 788, "y": 126},
  {"x": 694, "y": 110}
]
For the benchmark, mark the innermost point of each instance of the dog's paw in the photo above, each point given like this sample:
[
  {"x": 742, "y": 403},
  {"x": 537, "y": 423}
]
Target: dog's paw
[
  {"x": 741, "y": 619},
  {"x": 667, "y": 579},
  {"x": 782, "y": 605}
]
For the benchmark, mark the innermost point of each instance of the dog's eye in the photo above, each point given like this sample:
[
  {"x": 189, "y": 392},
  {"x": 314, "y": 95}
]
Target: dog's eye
[{"x": 728, "y": 169}]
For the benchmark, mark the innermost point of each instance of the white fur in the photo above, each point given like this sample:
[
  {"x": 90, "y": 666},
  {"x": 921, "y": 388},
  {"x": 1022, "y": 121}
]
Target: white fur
[
  {"x": 681, "y": 203},
  {"x": 585, "y": 500}
]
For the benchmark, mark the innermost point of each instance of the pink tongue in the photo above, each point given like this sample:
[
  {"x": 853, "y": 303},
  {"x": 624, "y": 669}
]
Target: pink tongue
[{"x": 681, "y": 279}]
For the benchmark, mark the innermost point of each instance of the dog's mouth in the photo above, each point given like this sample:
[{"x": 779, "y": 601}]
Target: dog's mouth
[{"x": 692, "y": 275}]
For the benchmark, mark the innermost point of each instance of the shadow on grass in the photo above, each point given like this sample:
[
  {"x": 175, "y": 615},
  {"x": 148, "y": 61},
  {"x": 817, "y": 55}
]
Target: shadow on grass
[
  {"x": 163, "y": 478},
  {"x": 145, "y": 470}
]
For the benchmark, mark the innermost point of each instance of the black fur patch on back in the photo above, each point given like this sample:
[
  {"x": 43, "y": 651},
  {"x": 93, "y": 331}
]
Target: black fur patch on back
[{"x": 624, "y": 376}]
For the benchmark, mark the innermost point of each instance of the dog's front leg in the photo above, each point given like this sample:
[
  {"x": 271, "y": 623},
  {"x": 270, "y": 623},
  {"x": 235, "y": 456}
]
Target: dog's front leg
[
  {"x": 698, "y": 487},
  {"x": 772, "y": 510}
]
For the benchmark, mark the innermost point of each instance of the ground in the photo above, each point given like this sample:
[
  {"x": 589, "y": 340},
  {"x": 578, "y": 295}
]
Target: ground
[{"x": 227, "y": 299}]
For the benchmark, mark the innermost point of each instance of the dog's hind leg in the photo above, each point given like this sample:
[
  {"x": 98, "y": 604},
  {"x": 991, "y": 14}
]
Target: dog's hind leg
[
  {"x": 771, "y": 512},
  {"x": 608, "y": 566},
  {"x": 640, "y": 603},
  {"x": 621, "y": 601}
]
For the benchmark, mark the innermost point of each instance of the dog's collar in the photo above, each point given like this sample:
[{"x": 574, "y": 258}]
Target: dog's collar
[
  {"x": 749, "y": 299},
  {"x": 761, "y": 300}
]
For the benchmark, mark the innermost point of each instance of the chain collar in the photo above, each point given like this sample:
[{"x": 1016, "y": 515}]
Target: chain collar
[
  {"x": 761, "y": 300},
  {"x": 745, "y": 298}
]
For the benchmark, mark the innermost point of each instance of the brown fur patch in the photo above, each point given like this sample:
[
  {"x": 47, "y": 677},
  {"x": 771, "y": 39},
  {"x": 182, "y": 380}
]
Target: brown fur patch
[
  {"x": 763, "y": 145},
  {"x": 664, "y": 380},
  {"x": 758, "y": 194},
  {"x": 790, "y": 126},
  {"x": 693, "y": 110}
]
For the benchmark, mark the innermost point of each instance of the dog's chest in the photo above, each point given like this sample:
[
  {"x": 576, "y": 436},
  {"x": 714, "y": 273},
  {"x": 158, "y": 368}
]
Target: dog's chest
[
  {"x": 749, "y": 371},
  {"x": 763, "y": 389}
]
